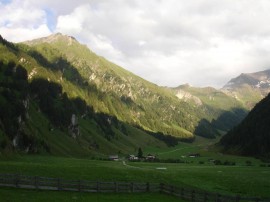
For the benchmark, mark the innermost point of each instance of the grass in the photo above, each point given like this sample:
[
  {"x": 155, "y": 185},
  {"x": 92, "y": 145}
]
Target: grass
[
  {"x": 240, "y": 179},
  {"x": 221, "y": 179},
  {"x": 21, "y": 195},
  {"x": 182, "y": 149}
]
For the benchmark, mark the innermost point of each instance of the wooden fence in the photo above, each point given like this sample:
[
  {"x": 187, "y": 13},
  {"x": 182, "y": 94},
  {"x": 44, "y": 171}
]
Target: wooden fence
[
  {"x": 45, "y": 183},
  {"x": 201, "y": 196}
]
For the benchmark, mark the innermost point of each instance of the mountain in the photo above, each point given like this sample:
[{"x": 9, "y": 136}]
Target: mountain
[
  {"x": 208, "y": 96},
  {"x": 260, "y": 80},
  {"x": 223, "y": 111},
  {"x": 59, "y": 97},
  {"x": 43, "y": 109},
  {"x": 235, "y": 99},
  {"x": 249, "y": 88},
  {"x": 251, "y": 137},
  {"x": 111, "y": 89}
]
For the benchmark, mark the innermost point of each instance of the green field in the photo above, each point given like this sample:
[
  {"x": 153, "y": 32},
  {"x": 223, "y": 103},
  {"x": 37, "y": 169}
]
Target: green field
[
  {"x": 240, "y": 179},
  {"x": 21, "y": 195},
  {"x": 247, "y": 179},
  {"x": 205, "y": 147}
]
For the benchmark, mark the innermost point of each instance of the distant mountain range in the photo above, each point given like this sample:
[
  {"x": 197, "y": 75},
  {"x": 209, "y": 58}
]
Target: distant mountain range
[
  {"x": 65, "y": 99},
  {"x": 259, "y": 80},
  {"x": 249, "y": 88}
]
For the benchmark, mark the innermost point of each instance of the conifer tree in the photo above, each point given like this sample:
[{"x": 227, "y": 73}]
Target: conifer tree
[{"x": 140, "y": 153}]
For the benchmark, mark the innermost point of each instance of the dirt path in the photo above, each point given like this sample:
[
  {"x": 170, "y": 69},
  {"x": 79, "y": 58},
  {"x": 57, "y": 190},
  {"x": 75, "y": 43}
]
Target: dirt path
[{"x": 124, "y": 164}]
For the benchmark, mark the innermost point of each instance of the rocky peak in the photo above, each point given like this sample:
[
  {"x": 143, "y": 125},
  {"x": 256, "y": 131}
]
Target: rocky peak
[
  {"x": 256, "y": 80},
  {"x": 53, "y": 38}
]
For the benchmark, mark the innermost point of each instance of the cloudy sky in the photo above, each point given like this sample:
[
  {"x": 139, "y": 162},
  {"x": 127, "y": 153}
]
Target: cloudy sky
[{"x": 168, "y": 42}]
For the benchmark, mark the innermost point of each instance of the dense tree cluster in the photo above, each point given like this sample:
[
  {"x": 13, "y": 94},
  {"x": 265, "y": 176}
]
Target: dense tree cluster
[
  {"x": 168, "y": 139},
  {"x": 251, "y": 136},
  {"x": 16, "y": 94},
  {"x": 106, "y": 124},
  {"x": 13, "y": 95},
  {"x": 56, "y": 104}
]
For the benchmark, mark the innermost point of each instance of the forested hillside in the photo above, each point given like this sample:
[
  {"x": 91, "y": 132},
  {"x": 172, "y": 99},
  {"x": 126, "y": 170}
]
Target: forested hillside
[{"x": 252, "y": 136}]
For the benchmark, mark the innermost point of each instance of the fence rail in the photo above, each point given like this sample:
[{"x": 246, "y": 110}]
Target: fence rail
[{"x": 45, "y": 183}]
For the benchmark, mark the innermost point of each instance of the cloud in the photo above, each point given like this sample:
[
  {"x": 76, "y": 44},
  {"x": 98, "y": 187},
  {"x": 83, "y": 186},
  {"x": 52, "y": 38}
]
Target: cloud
[
  {"x": 20, "y": 21},
  {"x": 168, "y": 42},
  {"x": 22, "y": 34},
  {"x": 72, "y": 23}
]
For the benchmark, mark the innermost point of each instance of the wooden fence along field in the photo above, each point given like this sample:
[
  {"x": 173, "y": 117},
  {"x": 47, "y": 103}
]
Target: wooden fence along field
[{"x": 58, "y": 184}]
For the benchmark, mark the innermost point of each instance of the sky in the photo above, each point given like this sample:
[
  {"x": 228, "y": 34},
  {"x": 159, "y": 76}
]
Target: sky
[{"x": 167, "y": 42}]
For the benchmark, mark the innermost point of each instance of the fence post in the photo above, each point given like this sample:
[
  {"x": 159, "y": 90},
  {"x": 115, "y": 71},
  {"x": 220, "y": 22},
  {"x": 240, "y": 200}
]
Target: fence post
[
  {"x": 237, "y": 198},
  {"x": 79, "y": 185},
  {"x": 218, "y": 198},
  {"x": 36, "y": 182},
  {"x": 205, "y": 196},
  {"x": 17, "y": 180},
  {"x": 161, "y": 187},
  {"x": 131, "y": 187},
  {"x": 115, "y": 187},
  {"x": 147, "y": 187},
  {"x": 59, "y": 183},
  {"x": 171, "y": 190},
  {"x": 193, "y": 195},
  {"x": 97, "y": 187},
  {"x": 182, "y": 193}
]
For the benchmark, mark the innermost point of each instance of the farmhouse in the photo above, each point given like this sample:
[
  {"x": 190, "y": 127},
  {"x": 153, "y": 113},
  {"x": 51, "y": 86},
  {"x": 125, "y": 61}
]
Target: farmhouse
[
  {"x": 114, "y": 158},
  {"x": 194, "y": 155},
  {"x": 132, "y": 157},
  {"x": 150, "y": 157}
]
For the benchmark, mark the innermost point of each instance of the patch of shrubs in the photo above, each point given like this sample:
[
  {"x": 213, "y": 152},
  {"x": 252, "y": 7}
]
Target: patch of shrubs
[
  {"x": 225, "y": 163},
  {"x": 248, "y": 163}
]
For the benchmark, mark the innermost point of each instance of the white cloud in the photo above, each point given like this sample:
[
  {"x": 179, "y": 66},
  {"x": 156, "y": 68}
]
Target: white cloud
[
  {"x": 169, "y": 42},
  {"x": 20, "y": 21},
  {"x": 23, "y": 34}
]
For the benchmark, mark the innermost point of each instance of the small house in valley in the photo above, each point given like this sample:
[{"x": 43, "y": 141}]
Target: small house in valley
[
  {"x": 132, "y": 157},
  {"x": 194, "y": 155},
  {"x": 150, "y": 157},
  {"x": 114, "y": 158}
]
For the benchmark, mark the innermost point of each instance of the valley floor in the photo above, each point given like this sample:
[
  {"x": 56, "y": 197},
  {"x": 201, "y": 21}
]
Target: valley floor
[
  {"x": 241, "y": 179},
  {"x": 21, "y": 195}
]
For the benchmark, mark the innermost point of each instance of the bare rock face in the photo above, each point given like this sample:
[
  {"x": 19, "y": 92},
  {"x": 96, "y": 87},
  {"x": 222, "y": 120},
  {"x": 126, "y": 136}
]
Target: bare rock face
[
  {"x": 15, "y": 141},
  {"x": 53, "y": 38},
  {"x": 74, "y": 127},
  {"x": 186, "y": 96}
]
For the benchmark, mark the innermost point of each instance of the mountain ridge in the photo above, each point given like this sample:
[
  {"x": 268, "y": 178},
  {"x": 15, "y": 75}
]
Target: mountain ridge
[
  {"x": 95, "y": 101},
  {"x": 254, "y": 79},
  {"x": 52, "y": 38},
  {"x": 100, "y": 73},
  {"x": 249, "y": 88}
]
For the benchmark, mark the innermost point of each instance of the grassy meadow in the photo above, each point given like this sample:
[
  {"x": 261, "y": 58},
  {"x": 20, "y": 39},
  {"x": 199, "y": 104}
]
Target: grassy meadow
[
  {"x": 247, "y": 179},
  {"x": 22, "y": 195}
]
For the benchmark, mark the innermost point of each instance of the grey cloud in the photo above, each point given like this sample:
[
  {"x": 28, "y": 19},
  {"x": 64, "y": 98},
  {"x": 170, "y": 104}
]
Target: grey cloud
[{"x": 180, "y": 40}]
